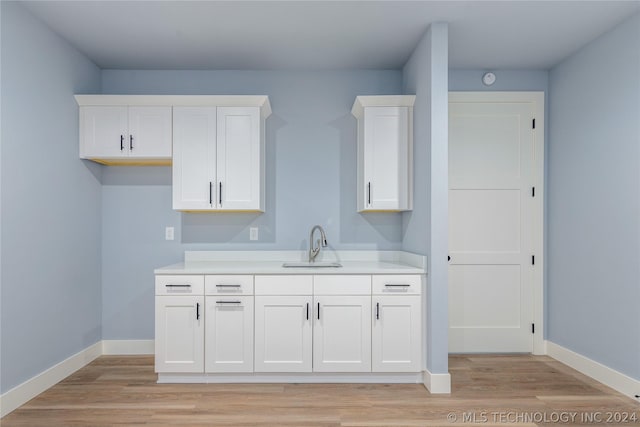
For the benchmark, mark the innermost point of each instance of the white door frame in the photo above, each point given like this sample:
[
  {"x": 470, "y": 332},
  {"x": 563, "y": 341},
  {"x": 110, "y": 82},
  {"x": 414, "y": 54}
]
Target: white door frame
[{"x": 537, "y": 99}]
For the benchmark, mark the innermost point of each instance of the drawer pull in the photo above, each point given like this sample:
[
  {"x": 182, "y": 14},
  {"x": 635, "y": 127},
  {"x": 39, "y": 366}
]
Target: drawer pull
[
  {"x": 393, "y": 285},
  {"x": 228, "y": 286},
  {"x": 178, "y": 286},
  {"x": 228, "y": 302}
]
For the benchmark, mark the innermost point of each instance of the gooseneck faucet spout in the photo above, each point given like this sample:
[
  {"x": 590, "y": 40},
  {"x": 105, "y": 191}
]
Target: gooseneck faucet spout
[{"x": 314, "y": 250}]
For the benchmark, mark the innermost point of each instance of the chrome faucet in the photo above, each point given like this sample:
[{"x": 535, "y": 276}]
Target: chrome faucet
[{"x": 321, "y": 243}]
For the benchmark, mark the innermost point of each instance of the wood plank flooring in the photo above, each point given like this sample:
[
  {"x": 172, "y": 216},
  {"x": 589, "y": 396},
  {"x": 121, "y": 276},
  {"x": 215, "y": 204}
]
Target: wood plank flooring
[{"x": 488, "y": 390}]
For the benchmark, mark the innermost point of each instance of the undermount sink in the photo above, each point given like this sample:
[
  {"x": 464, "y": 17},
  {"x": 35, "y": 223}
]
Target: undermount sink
[{"x": 311, "y": 265}]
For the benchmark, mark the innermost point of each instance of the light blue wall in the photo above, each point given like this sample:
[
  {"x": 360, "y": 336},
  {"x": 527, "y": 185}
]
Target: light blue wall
[
  {"x": 311, "y": 179},
  {"x": 425, "y": 229},
  {"x": 594, "y": 201},
  {"x": 51, "y": 207}
]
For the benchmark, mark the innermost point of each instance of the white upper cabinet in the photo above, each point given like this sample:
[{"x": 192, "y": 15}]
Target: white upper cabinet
[
  {"x": 385, "y": 152},
  {"x": 218, "y": 158},
  {"x": 121, "y": 134}
]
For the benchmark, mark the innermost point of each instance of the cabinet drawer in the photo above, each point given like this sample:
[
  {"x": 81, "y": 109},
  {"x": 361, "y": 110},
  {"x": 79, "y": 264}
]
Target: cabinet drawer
[
  {"x": 396, "y": 284},
  {"x": 228, "y": 284},
  {"x": 180, "y": 285},
  {"x": 284, "y": 285},
  {"x": 341, "y": 285}
]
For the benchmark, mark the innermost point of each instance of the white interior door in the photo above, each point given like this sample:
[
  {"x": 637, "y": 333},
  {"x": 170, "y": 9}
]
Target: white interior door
[{"x": 492, "y": 224}]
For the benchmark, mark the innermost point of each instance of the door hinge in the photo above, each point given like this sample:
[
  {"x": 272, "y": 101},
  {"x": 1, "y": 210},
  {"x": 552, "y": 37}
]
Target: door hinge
[
  {"x": 533, "y": 328},
  {"x": 533, "y": 260},
  {"x": 533, "y": 124},
  {"x": 533, "y": 191}
]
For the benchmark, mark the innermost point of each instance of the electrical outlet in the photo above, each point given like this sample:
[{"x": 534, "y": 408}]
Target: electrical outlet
[
  {"x": 253, "y": 233},
  {"x": 168, "y": 233}
]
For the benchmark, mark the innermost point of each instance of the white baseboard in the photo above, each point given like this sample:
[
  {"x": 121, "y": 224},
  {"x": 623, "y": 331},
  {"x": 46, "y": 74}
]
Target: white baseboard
[
  {"x": 127, "y": 347},
  {"x": 437, "y": 383},
  {"x": 29, "y": 389},
  {"x": 599, "y": 372}
]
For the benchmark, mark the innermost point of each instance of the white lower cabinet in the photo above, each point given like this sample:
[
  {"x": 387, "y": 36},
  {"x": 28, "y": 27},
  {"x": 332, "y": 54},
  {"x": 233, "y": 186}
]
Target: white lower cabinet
[
  {"x": 294, "y": 324},
  {"x": 283, "y": 333},
  {"x": 179, "y": 343},
  {"x": 229, "y": 334},
  {"x": 396, "y": 340},
  {"x": 342, "y": 334}
]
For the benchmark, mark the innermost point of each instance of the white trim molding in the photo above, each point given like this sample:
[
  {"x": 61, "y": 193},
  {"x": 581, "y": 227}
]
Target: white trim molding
[
  {"x": 128, "y": 347},
  {"x": 599, "y": 372},
  {"x": 437, "y": 383},
  {"x": 29, "y": 389}
]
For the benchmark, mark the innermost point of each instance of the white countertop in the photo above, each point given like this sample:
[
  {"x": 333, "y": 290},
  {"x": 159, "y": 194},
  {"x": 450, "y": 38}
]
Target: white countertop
[
  {"x": 270, "y": 262},
  {"x": 275, "y": 267}
]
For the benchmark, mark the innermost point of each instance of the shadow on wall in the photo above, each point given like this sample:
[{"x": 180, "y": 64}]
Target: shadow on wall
[{"x": 357, "y": 227}]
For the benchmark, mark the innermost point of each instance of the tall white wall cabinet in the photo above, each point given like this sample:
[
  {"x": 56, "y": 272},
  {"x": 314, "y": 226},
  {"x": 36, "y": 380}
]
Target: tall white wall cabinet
[{"x": 385, "y": 152}]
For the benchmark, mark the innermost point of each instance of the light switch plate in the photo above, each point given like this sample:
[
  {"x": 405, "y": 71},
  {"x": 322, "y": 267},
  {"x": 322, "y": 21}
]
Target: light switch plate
[{"x": 253, "y": 233}]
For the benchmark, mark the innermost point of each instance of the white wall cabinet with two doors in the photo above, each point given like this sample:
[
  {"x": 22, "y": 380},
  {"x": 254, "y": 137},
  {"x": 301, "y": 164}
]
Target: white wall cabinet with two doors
[
  {"x": 218, "y": 158},
  {"x": 114, "y": 134},
  {"x": 269, "y": 324}
]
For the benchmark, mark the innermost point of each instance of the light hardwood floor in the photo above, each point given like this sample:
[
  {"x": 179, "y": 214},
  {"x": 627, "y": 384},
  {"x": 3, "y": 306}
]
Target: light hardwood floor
[{"x": 121, "y": 390}]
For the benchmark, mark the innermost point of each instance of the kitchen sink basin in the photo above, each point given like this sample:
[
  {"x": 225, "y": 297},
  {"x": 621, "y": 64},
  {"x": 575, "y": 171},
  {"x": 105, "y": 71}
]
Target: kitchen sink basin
[{"x": 311, "y": 265}]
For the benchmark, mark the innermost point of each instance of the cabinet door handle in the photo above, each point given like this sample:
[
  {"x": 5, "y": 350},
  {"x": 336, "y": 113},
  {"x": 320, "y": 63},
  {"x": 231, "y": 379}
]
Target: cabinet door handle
[
  {"x": 130, "y": 142},
  {"x": 307, "y": 311},
  {"x": 121, "y": 142},
  {"x": 220, "y": 194},
  {"x": 228, "y": 302},
  {"x": 394, "y": 285},
  {"x": 177, "y": 286},
  {"x": 210, "y": 192},
  {"x": 197, "y": 311},
  {"x": 318, "y": 311},
  {"x": 377, "y": 310},
  {"x": 369, "y": 193},
  {"x": 228, "y": 286}
]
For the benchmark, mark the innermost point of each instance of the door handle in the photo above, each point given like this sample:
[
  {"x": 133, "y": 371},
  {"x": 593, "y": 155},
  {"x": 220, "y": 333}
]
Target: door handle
[
  {"x": 197, "y": 311},
  {"x": 121, "y": 142},
  {"x": 220, "y": 194},
  {"x": 307, "y": 311},
  {"x": 318, "y": 311},
  {"x": 131, "y": 142},
  {"x": 210, "y": 192},
  {"x": 377, "y": 310},
  {"x": 369, "y": 193}
]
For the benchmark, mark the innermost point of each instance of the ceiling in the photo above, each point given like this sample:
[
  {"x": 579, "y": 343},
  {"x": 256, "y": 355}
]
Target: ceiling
[{"x": 317, "y": 35}]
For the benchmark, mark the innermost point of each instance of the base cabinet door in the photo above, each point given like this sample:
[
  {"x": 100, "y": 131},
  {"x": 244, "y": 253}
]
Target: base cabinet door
[
  {"x": 342, "y": 334},
  {"x": 396, "y": 343},
  {"x": 283, "y": 333},
  {"x": 179, "y": 343},
  {"x": 229, "y": 334}
]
